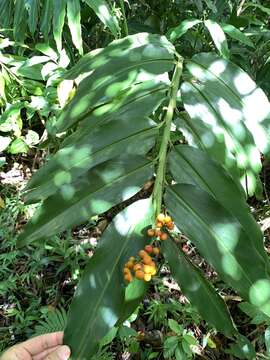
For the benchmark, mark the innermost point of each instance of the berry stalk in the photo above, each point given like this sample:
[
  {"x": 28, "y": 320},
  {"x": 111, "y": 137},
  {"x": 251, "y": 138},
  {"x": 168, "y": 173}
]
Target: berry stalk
[{"x": 160, "y": 177}]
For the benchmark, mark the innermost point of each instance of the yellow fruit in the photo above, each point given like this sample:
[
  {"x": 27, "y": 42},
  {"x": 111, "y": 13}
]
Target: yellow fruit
[
  {"x": 151, "y": 232},
  {"x": 154, "y": 271},
  {"x": 167, "y": 219},
  {"x": 161, "y": 218},
  {"x": 156, "y": 250},
  {"x": 132, "y": 258},
  {"x": 139, "y": 274},
  {"x": 147, "y": 277},
  {"x": 148, "y": 269}
]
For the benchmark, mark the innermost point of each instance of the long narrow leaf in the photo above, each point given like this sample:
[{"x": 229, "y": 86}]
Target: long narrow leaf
[
  {"x": 104, "y": 12},
  {"x": 198, "y": 290},
  {"x": 74, "y": 23},
  {"x": 95, "y": 192},
  {"x": 222, "y": 241},
  {"x": 59, "y": 13},
  {"x": 218, "y": 37},
  {"x": 100, "y": 295}
]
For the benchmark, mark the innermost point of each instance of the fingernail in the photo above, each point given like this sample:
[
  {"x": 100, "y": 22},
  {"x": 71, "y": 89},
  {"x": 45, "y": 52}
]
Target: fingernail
[{"x": 64, "y": 352}]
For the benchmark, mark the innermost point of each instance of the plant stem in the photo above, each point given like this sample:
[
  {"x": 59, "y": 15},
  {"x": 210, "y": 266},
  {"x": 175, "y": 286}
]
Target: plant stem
[
  {"x": 124, "y": 16},
  {"x": 160, "y": 177}
]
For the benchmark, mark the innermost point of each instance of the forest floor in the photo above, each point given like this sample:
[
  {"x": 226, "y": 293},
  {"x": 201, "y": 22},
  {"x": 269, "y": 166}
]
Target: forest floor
[{"x": 37, "y": 283}]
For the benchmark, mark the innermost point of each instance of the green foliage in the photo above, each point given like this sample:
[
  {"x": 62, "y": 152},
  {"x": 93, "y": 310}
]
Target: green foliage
[{"x": 118, "y": 117}]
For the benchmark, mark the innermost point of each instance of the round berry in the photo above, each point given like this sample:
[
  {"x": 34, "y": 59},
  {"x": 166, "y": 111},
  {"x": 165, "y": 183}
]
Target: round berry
[
  {"x": 167, "y": 219},
  {"x": 149, "y": 249},
  {"x": 161, "y": 218},
  {"x": 129, "y": 265},
  {"x": 170, "y": 226},
  {"x": 126, "y": 270},
  {"x": 147, "y": 260},
  {"x": 151, "y": 232},
  {"x": 128, "y": 277},
  {"x": 147, "y": 277},
  {"x": 132, "y": 259},
  {"x": 156, "y": 250},
  {"x": 159, "y": 224},
  {"x": 137, "y": 267},
  {"x": 163, "y": 236},
  {"x": 139, "y": 274},
  {"x": 142, "y": 253}
]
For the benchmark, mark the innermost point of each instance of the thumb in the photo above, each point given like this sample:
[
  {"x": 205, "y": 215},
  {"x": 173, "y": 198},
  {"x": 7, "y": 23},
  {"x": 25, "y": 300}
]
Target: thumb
[{"x": 62, "y": 353}]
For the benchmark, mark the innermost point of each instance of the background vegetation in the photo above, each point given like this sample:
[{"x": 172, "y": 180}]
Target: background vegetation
[{"x": 47, "y": 49}]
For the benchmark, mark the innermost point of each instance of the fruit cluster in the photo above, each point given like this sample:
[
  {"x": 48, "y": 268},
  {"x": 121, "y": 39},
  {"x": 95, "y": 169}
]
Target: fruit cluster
[
  {"x": 144, "y": 268},
  {"x": 161, "y": 222}
]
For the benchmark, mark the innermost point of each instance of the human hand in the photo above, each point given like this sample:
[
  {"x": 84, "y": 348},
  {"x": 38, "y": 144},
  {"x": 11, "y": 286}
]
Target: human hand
[{"x": 44, "y": 347}]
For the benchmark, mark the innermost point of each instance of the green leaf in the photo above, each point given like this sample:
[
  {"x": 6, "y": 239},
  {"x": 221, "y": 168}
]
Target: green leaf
[
  {"x": 104, "y": 12},
  {"x": 32, "y": 7},
  {"x": 175, "y": 327},
  {"x": 2, "y": 161},
  {"x": 181, "y": 29},
  {"x": 97, "y": 191},
  {"x": 6, "y": 13},
  {"x": 257, "y": 317},
  {"x": 74, "y": 23},
  {"x": 236, "y": 34},
  {"x": 59, "y": 13},
  {"x": 221, "y": 99},
  {"x": 193, "y": 166},
  {"x": 222, "y": 241},
  {"x": 198, "y": 290},
  {"x": 99, "y": 297},
  {"x": 18, "y": 146},
  {"x": 46, "y": 18},
  {"x": 121, "y": 65},
  {"x": 78, "y": 155},
  {"x": 218, "y": 37},
  {"x": 258, "y": 6},
  {"x": 267, "y": 340},
  {"x": 242, "y": 349},
  {"x": 19, "y": 22}
]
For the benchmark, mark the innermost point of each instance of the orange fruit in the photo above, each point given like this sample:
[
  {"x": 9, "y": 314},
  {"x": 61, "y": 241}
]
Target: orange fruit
[
  {"x": 147, "y": 260},
  {"x": 142, "y": 253},
  {"x": 151, "y": 232},
  {"x": 159, "y": 224},
  {"x": 170, "y": 226},
  {"x": 158, "y": 233},
  {"x": 163, "y": 236},
  {"x": 137, "y": 267},
  {"x": 129, "y": 265},
  {"x": 148, "y": 249},
  {"x": 128, "y": 277},
  {"x": 126, "y": 270},
  {"x": 139, "y": 274}
]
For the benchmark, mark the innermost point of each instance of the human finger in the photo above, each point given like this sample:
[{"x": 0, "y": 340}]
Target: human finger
[
  {"x": 62, "y": 353},
  {"x": 43, "y": 342}
]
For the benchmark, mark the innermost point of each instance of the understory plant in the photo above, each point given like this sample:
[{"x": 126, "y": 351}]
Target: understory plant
[{"x": 198, "y": 126}]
